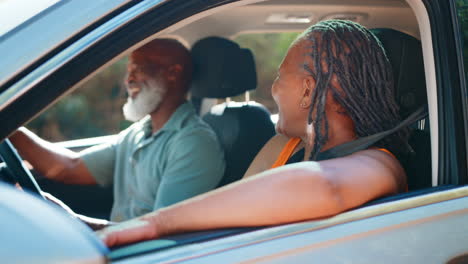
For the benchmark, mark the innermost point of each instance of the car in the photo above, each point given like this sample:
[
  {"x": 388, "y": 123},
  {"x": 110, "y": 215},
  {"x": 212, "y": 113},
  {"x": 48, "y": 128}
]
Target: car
[{"x": 49, "y": 48}]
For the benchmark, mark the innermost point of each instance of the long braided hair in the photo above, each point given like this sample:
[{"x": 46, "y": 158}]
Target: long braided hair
[{"x": 356, "y": 57}]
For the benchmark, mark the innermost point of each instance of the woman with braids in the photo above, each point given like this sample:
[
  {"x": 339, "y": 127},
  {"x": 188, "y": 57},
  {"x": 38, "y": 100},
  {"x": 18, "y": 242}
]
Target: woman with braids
[{"x": 334, "y": 85}]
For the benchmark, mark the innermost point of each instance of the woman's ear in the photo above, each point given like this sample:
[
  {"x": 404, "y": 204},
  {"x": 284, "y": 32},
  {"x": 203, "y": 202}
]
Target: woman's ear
[{"x": 308, "y": 84}]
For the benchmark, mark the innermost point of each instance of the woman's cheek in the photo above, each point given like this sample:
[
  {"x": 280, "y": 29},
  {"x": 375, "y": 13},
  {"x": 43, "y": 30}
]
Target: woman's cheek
[
  {"x": 278, "y": 127},
  {"x": 281, "y": 127}
]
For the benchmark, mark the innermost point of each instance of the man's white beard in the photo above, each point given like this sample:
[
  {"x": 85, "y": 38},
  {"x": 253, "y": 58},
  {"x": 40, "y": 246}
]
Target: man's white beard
[{"x": 145, "y": 102}]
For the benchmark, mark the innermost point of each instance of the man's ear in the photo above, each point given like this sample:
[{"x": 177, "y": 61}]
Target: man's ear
[
  {"x": 308, "y": 84},
  {"x": 173, "y": 72}
]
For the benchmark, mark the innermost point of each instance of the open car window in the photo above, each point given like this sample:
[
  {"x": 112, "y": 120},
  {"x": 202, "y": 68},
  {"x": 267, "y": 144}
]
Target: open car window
[
  {"x": 93, "y": 110},
  {"x": 268, "y": 49}
]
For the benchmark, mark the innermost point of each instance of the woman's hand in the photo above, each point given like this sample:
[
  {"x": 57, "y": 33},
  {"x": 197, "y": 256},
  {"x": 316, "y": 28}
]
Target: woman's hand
[{"x": 130, "y": 231}]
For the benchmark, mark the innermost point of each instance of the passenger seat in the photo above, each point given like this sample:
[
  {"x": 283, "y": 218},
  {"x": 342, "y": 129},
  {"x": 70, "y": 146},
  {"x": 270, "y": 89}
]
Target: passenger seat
[
  {"x": 222, "y": 69},
  {"x": 405, "y": 55}
]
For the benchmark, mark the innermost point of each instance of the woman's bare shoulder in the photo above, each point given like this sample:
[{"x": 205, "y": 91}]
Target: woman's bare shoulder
[
  {"x": 392, "y": 163},
  {"x": 378, "y": 163},
  {"x": 363, "y": 176}
]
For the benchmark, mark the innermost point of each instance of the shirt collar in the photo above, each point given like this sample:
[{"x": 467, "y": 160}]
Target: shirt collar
[{"x": 175, "y": 122}]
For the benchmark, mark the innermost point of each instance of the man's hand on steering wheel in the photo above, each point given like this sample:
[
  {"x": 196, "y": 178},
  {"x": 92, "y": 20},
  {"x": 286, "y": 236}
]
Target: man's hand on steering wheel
[
  {"x": 18, "y": 170},
  {"x": 25, "y": 179}
]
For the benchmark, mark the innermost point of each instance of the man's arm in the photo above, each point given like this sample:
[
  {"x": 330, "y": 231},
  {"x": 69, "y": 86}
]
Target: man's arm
[
  {"x": 50, "y": 160},
  {"x": 59, "y": 164},
  {"x": 305, "y": 190}
]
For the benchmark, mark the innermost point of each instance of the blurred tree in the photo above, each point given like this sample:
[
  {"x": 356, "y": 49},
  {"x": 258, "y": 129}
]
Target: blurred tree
[
  {"x": 269, "y": 50},
  {"x": 93, "y": 109}
]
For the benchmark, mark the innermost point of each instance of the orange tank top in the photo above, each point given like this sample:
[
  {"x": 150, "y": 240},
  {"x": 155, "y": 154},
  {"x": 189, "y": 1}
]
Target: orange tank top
[{"x": 288, "y": 150}]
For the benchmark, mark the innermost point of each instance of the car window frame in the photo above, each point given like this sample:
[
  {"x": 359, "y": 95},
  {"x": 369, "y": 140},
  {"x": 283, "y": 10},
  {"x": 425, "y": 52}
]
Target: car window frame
[
  {"x": 451, "y": 148},
  {"x": 139, "y": 34},
  {"x": 188, "y": 9},
  {"x": 462, "y": 65}
]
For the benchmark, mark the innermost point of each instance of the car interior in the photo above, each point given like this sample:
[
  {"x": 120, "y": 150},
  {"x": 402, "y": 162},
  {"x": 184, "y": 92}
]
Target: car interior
[
  {"x": 223, "y": 69},
  {"x": 400, "y": 38},
  {"x": 242, "y": 129}
]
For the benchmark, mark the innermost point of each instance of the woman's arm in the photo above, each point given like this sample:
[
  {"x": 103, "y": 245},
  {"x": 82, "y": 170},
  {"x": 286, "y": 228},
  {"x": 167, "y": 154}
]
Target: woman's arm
[{"x": 292, "y": 193}]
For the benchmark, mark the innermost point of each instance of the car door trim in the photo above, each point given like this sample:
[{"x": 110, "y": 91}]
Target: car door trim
[{"x": 187, "y": 252}]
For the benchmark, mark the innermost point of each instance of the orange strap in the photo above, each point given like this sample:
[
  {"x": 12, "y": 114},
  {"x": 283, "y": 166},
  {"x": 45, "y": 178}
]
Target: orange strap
[
  {"x": 386, "y": 151},
  {"x": 292, "y": 143},
  {"x": 286, "y": 152}
]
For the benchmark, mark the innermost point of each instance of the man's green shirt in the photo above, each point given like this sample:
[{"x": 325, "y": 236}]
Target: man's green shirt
[{"x": 151, "y": 171}]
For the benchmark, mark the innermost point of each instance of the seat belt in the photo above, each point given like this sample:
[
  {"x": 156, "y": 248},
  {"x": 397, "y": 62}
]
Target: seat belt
[{"x": 365, "y": 142}]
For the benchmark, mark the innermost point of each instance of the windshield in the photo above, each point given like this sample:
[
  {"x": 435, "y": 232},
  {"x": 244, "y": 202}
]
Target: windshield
[{"x": 15, "y": 12}]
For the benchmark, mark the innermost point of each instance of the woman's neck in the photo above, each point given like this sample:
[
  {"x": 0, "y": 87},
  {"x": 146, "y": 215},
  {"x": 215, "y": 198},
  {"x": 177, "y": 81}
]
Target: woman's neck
[{"x": 341, "y": 130}]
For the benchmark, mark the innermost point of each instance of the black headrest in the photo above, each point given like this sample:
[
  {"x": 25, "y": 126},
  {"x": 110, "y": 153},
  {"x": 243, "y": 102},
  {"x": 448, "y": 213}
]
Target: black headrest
[
  {"x": 221, "y": 68},
  {"x": 242, "y": 130},
  {"x": 405, "y": 55}
]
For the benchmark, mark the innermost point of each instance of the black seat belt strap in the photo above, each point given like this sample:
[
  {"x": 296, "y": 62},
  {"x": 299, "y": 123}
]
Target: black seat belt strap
[{"x": 365, "y": 142}]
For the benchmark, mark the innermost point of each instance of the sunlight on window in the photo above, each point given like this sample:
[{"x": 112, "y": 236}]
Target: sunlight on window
[{"x": 15, "y": 12}]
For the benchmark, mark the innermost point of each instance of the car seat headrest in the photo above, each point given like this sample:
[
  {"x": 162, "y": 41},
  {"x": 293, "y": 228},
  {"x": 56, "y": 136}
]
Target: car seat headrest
[
  {"x": 221, "y": 68},
  {"x": 405, "y": 55}
]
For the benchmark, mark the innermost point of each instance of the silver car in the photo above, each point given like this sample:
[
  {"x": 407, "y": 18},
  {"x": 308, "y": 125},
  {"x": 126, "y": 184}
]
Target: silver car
[{"x": 50, "y": 47}]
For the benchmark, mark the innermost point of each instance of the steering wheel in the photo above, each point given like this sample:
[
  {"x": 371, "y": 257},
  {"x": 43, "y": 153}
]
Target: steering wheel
[{"x": 21, "y": 174}]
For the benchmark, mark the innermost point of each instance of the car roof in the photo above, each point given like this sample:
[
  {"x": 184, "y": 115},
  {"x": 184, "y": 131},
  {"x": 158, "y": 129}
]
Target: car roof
[
  {"x": 38, "y": 38},
  {"x": 285, "y": 16},
  {"x": 47, "y": 30}
]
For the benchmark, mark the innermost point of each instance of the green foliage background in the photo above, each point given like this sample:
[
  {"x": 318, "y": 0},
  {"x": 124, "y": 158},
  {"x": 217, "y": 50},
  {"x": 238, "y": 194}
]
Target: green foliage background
[
  {"x": 95, "y": 108},
  {"x": 268, "y": 50}
]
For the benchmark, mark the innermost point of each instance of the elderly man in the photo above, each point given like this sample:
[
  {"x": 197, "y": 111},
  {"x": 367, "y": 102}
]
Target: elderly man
[{"x": 169, "y": 155}]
